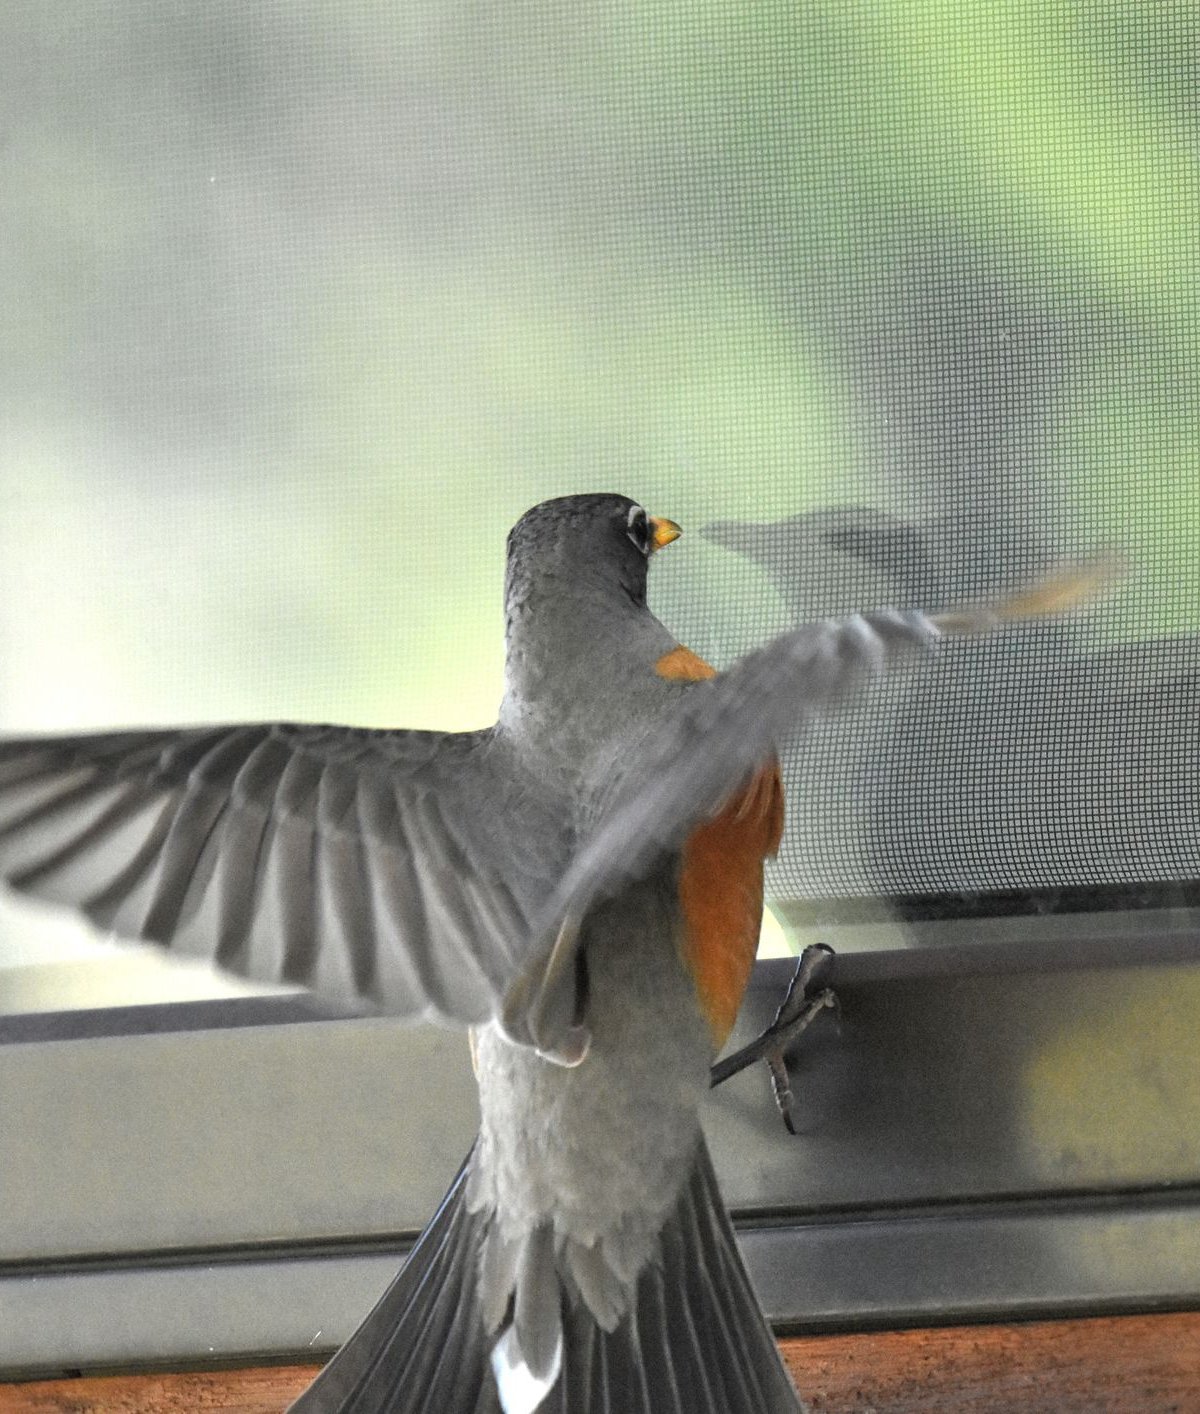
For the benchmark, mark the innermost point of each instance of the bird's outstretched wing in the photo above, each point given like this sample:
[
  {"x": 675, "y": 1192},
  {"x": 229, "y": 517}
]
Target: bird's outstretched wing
[
  {"x": 392, "y": 870},
  {"x": 725, "y": 729}
]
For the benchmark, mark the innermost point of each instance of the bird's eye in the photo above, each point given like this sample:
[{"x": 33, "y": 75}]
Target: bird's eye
[{"x": 639, "y": 529}]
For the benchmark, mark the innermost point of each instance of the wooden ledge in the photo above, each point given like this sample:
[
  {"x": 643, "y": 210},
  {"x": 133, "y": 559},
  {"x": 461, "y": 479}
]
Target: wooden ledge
[{"x": 1101, "y": 1365}]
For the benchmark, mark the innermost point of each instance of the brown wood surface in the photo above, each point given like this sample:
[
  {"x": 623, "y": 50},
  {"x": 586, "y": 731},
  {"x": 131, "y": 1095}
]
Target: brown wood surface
[
  {"x": 1109, "y": 1365},
  {"x": 258, "y": 1391},
  {"x": 1106, "y": 1365}
]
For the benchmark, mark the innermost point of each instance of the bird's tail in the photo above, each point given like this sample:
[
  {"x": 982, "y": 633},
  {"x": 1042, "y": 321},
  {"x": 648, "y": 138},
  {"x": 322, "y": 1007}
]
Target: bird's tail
[
  {"x": 423, "y": 1346},
  {"x": 694, "y": 1342}
]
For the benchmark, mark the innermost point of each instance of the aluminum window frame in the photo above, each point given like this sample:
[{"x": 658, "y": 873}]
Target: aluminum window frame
[{"x": 929, "y": 1183}]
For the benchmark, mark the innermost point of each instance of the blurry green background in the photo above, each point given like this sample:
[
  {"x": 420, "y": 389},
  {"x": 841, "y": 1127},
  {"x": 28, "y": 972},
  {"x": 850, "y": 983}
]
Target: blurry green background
[{"x": 304, "y": 303}]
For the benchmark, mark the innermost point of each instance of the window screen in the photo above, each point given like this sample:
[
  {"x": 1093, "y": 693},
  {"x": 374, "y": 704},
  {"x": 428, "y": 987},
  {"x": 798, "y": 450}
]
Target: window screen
[{"x": 305, "y": 303}]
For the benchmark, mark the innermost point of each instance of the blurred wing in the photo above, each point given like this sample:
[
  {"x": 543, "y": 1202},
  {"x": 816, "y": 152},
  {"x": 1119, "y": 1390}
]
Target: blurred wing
[
  {"x": 393, "y": 870},
  {"x": 729, "y": 725},
  {"x": 726, "y": 728}
]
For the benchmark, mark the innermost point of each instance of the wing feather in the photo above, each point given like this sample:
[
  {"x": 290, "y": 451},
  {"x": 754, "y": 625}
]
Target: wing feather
[
  {"x": 347, "y": 960},
  {"x": 241, "y": 847},
  {"x": 64, "y": 825},
  {"x": 174, "y": 895}
]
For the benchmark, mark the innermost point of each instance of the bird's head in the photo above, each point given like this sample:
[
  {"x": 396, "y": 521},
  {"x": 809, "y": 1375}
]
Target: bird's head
[{"x": 600, "y": 541}]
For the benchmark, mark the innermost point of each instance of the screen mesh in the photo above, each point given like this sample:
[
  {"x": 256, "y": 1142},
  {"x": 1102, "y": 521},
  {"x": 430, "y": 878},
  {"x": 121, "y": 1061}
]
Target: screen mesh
[{"x": 304, "y": 303}]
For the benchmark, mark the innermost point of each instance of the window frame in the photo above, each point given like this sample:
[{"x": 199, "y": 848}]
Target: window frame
[{"x": 918, "y": 1191}]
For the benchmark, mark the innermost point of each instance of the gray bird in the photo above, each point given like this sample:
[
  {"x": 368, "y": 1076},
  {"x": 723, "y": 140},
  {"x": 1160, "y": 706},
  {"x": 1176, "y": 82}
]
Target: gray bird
[{"x": 580, "y": 883}]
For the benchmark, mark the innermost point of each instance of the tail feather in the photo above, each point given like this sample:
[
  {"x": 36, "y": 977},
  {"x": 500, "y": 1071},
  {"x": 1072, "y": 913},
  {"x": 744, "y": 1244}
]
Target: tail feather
[
  {"x": 423, "y": 1347},
  {"x": 694, "y": 1341},
  {"x": 691, "y": 1332},
  {"x": 430, "y": 1357}
]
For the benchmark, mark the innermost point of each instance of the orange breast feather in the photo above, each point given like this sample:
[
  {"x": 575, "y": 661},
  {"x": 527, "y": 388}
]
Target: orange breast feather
[{"x": 721, "y": 881}]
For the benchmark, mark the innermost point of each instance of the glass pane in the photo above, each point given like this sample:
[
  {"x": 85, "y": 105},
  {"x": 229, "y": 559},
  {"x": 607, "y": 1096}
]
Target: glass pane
[{"x": 304, "y": 304}]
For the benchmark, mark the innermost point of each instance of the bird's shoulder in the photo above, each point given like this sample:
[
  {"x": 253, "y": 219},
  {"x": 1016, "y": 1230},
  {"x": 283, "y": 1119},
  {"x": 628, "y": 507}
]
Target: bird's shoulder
[{"x": 680, "y": 664}]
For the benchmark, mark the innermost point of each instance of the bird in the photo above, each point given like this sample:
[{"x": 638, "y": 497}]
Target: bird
[{"x": 579, "y": 885}]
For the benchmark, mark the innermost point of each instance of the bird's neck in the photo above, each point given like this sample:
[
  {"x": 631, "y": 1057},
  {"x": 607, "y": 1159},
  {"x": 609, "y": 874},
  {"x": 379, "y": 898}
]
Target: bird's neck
[{"x": 568, "y": 646}]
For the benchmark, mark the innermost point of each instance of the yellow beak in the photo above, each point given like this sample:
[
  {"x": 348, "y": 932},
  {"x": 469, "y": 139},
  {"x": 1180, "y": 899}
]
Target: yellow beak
[{"x": 662, "y": 532}]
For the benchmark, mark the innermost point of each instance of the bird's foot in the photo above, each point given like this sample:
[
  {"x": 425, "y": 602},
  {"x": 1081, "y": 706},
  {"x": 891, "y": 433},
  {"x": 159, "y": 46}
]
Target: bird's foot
[{"x": 804, "y": 1000}]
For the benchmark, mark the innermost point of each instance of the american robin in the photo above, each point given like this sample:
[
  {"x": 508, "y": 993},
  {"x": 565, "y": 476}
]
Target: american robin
[{"x": 580, "y": 883}]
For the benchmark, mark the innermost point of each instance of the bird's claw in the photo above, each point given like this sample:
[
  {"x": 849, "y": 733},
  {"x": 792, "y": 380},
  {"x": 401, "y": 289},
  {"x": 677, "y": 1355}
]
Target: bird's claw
[{"x": 800, "y": 1005}]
